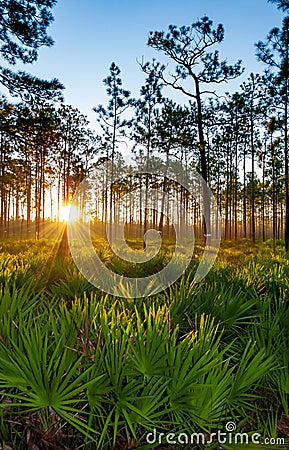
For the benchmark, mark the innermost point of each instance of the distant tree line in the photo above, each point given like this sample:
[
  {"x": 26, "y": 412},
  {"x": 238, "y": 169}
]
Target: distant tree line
[{"x": 237, "y": 142}]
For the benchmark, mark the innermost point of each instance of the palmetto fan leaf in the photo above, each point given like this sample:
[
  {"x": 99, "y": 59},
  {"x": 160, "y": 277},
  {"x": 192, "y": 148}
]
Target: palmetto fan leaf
[{"x": 37, "y": 373}]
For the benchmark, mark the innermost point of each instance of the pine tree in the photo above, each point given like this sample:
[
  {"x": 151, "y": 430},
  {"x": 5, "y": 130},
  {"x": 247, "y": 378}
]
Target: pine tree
[
  {"x": 112, "y": 123},
  {"x": 274, "y": 52},
  {"x": 143, "y": 126},
  {"x": 189, "y": 48},
  {"x": 23, "y": 30}
]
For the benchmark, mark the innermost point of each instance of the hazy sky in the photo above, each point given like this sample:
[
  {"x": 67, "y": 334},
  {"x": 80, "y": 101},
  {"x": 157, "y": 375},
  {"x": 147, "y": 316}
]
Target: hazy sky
[{"x": 90, "y": 34}]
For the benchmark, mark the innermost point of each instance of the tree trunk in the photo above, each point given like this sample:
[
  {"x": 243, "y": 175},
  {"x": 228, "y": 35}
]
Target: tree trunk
[{"x": 202, "y": 147}]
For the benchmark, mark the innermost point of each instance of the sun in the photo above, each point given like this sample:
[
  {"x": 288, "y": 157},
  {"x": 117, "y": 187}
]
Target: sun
[{"x": 68, "y": 213}]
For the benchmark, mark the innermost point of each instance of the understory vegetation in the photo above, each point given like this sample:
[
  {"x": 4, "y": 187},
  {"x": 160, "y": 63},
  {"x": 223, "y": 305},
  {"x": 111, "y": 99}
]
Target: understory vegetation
[{"x": 81, "y": 369}]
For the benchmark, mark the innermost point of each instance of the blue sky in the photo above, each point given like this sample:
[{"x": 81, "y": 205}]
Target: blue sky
[{"x": 90, "y": 34}]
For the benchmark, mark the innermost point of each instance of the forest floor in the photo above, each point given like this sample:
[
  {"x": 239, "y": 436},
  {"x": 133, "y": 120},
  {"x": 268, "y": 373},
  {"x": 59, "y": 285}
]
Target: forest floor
[{"x": 83, "y": 369}]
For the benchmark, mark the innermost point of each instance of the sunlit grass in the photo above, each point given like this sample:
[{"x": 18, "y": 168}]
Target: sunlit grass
[{"x": 99, "y": 371}]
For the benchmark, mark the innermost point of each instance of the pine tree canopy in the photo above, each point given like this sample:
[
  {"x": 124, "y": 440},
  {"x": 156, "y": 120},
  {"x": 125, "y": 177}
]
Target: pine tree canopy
[
  {"x": 281, "y": 4},
  {"x": 23, "y": 30}
]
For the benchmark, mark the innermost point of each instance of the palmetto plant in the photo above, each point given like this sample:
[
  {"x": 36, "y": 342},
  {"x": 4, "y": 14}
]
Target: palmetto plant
[
  {"x": 40, "y": 374},
  {"x": 79, "y": 369}
]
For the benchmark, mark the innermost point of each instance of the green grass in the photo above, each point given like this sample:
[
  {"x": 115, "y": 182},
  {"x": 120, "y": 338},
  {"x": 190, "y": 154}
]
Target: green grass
[{"x": 81, "y": 369}]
